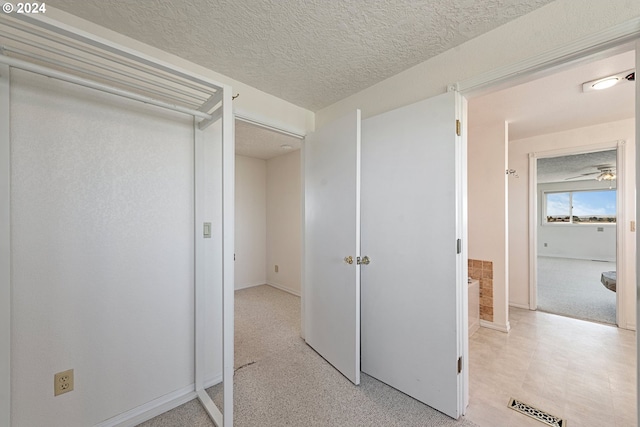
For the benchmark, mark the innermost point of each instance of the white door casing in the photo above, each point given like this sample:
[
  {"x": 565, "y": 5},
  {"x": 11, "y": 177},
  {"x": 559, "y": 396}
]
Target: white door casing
[{"x": 331, "y": 233}]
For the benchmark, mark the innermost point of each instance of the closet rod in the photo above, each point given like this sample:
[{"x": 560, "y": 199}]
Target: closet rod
[
  {"x": 76, "y": 46},
  {"x": 27, "y": 66},
  {"x": 78, "y": 58},
  {"x": 47, "y": 24},
  {"x": 73, "y": 68}
]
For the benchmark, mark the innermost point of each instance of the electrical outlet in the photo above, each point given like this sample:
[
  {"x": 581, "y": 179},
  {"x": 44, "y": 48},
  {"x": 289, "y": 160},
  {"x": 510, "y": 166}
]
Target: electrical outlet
[
  {"x": 276, "y": 269},
  {"x": 63, "y": 382}
]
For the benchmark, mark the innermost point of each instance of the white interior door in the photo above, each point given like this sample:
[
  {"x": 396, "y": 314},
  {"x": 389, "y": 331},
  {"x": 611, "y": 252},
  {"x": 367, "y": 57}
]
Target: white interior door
[
  {"x": 413, "y": 291},
  {"x": 331, "y": 233}
]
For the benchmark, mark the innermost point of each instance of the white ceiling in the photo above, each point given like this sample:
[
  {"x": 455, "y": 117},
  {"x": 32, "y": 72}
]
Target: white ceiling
[
  {"x": 556, "y": 102},
  {"x": 309, "y": 52},
  {"x": 260, "y": 143}
]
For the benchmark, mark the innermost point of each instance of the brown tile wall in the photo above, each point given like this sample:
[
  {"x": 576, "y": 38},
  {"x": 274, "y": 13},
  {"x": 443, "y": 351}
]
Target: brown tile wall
[{"x": 483, "y": 271}]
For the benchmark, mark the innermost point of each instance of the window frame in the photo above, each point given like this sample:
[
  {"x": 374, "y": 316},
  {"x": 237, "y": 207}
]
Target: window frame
[{"x": 544, "y": 215}]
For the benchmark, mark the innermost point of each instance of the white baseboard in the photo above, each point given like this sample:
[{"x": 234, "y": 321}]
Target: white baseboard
[
  {"x": 522, "y": 306},
  {"x": 237, "y": 288},
  {"x": 157, "y": 406},
  {"x": 284, "y": 288},
  {"x": 151, "y": 409},
  {"x": 495, "y": 326}
]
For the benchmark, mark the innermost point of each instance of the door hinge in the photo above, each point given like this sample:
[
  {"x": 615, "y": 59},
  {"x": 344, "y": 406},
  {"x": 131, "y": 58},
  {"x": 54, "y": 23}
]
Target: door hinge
[
  {"x": 458, "y": 127},
  {"x": 459, "y": 246},
  {"x": 460, "y": 364}
]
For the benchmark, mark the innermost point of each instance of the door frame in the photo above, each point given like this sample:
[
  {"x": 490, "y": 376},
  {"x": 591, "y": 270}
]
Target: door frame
[
  {"x": 622, "y": 257},
  {"x": 616, "y": 39}
]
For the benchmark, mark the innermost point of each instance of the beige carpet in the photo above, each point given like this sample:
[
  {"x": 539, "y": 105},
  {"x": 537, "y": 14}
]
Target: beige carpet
[
  {"x": 280, "y": 381},
  {"x": 572, "y": 287}
]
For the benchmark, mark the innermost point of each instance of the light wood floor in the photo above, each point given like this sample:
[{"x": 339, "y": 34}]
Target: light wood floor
[{"x": 581, "y": 371}]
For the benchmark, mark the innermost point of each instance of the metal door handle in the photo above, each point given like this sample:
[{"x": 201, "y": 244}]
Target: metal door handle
[
  {"x": 348, "y": 259},
  {"x": 365, "y": 260}
]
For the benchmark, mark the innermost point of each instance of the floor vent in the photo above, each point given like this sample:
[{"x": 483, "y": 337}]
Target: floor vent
[{"x": 537, "y": 414}]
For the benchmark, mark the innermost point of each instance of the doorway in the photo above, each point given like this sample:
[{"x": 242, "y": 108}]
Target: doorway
[
  {"x": 268, "y": 218},
  {"x": 510, "y": 130},
  {"x": 577, "y": 235},
  {"x": 267, "y": 234},
  {"x": 511, "y": 138}
]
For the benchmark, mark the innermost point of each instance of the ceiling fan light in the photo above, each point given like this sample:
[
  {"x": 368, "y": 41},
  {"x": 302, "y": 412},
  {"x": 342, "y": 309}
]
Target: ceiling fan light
[
  {"x": 605, "y": 83},
  {"x": 606, "y": 176}
]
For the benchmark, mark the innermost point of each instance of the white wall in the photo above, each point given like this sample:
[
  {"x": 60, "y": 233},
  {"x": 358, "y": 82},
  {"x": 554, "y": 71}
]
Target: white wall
[
  {"x": 102, "y": 254},
  {"x": 284, "y": 222},
  {"x": 268, "y": 222},
  {"x": 251, "y": 222},
  {"x": 546, "y": 28},
  {"x": 487, "y": 209},
  {"x": 579, "y": 241},
  {"x": 519, "y": 199}
]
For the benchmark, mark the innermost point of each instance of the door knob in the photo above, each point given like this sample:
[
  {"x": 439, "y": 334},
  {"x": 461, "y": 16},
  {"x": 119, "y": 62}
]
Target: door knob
[
  {"x": 348, "y": 259},
  {"x": 365, "y": 260}
]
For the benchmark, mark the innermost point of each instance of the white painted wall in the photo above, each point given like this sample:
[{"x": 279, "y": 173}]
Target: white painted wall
[
  {"x": 579, "y": 241},
  {"x": 251, "y": 222},
  {"x": 546, "y": 28},
  {"x": 487, "y": 209},
  {"x": 102, "y": 253},
  {"x": 284, "y": 225},
  {"x": 519, "y": 199}
]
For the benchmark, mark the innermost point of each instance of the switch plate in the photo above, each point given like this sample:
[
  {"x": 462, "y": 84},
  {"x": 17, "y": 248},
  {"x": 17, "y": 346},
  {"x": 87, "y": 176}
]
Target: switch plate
[
  {"x": 276, "y": 268},
  {"x": 206, "y": 230}
]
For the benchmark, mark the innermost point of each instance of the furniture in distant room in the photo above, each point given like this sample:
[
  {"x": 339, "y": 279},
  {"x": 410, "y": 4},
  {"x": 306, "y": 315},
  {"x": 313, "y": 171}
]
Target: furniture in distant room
[{"x": 608, "y": 279}]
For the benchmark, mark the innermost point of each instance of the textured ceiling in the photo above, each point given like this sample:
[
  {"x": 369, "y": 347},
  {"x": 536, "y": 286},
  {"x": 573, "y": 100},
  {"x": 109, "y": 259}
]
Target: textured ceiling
[
  {"x": 309, "y": 52},
  {"x": 574, "y": 167},
  {"x": 260, "y": 143}
]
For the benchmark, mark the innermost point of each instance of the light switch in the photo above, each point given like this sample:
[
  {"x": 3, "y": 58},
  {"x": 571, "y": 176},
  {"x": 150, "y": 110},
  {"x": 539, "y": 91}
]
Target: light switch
[
  {"x": 633, "y": 226},
  {"x": 207, "y": 230}
]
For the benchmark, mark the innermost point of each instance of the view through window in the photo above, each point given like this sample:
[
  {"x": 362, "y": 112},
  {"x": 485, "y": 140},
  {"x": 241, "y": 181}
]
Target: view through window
[{"x": 581, "y": 207}]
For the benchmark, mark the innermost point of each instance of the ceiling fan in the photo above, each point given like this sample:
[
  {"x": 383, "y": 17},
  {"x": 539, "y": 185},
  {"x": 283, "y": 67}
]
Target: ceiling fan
[{"x": 604, "y": 173}]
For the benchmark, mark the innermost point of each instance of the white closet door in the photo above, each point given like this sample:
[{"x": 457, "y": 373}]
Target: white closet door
[
  {"x": 332, "y": 232},
  {"x": 412, "y": 292}
]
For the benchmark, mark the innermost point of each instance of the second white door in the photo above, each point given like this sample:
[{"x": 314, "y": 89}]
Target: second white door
[{"x": 412, "y": 292}]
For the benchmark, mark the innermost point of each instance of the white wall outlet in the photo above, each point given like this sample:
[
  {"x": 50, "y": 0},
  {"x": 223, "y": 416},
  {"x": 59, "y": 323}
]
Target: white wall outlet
[{"x": 63, "y": 382}]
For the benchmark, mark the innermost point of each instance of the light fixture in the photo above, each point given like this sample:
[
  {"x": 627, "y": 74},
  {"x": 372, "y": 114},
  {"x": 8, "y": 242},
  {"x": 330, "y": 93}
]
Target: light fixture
[
  {"x": 286, "y": 147},
  {"x": 606, "y": 175},
  {"x": 609, "y": 81},
  {"x": 605, "y": 83}
]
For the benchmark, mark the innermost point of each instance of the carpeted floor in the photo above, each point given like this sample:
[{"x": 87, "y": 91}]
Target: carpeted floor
[
  {"x": 280, "y": 381},
  {"x": 572, "y": 287}
]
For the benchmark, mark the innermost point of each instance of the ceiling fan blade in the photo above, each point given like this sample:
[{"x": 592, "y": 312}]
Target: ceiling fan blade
[{"x": 581, "y": 176}]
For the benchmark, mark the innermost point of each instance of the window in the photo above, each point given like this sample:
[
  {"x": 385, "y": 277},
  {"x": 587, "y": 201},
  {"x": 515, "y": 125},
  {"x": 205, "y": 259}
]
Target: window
[{"x": 580, "y": 207}]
